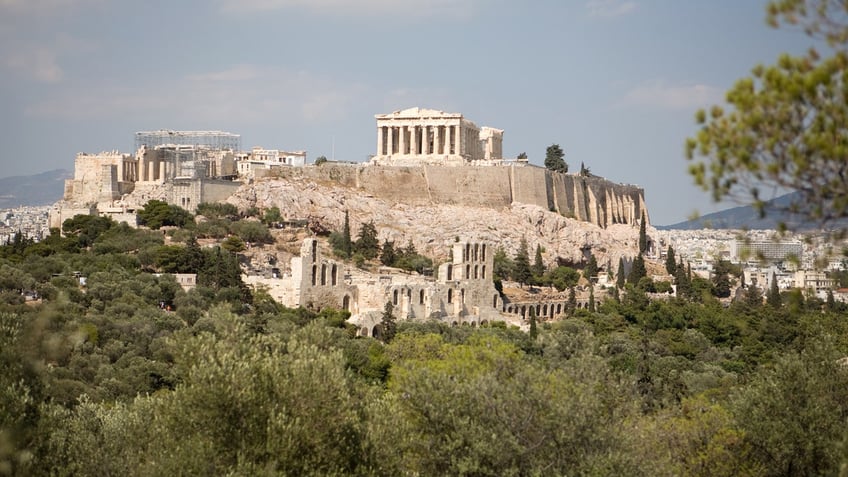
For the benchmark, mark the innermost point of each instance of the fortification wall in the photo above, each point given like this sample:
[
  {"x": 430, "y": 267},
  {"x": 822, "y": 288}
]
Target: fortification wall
[{"x": 589, "y": 199}]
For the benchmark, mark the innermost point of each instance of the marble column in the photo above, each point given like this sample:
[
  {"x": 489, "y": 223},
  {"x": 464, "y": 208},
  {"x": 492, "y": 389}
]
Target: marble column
[
  {"x": 379, "y": 140},
  {"x": 391, "y": 141},
  {"x": 413, "y": 138},
  {"x": 437, "y": 137},
  {"x": 402, "y": 131}
]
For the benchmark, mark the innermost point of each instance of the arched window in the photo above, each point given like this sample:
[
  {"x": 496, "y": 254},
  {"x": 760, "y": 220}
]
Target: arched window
[
  {"x": 323, "y": 274},
  {"x": 346, "y": 307},
  {"x": 450, "y": 295},
  {"x": 314, "y": 250},
  {"x": 421, "y": 297},
  {"x": 314, "y": 274},
  {"x": 395, "y": 298},
  {"x": 494, "y": 301},
  {"x": 334, "y": 275},
  {"x": 483, "y": 272}
]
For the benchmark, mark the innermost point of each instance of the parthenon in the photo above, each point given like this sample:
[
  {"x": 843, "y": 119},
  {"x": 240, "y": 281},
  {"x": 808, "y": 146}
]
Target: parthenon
[{"x": 418, "y": 135}]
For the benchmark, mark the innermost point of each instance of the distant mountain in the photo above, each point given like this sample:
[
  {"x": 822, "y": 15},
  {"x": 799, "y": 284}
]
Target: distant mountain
[
  {"x": 746, "y": 217},
  {"x": 38, "y": 189}
]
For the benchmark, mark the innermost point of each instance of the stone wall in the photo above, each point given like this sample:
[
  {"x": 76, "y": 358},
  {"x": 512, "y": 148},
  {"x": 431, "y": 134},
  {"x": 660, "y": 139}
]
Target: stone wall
[{"x": 589, "y": 199}]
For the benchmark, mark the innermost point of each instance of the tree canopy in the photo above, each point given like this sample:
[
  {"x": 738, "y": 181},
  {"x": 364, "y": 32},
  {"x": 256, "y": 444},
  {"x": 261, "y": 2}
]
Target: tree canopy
[
  {"x": 554, "y": 159},
  {"x": 784, "y": 129}
]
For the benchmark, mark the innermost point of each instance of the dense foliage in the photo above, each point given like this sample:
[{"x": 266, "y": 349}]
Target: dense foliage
[{"x": 130, "y": 374}]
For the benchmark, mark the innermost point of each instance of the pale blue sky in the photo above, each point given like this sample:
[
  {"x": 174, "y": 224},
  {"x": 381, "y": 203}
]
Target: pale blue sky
[{"x": 614, "y": 82}]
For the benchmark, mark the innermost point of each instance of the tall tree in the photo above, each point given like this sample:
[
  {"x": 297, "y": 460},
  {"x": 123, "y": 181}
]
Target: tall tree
[
  {"x": 347, "y": 241},
  {"x": 387, "y": 253},
  {"x": 670, "y": 261},
  {"x": 534, "y": 332},
  {"x": 591, "y": 268},
  {"x": 637, "y": 270},
  {"x": 571, "y": 304},
  {"x": 554, "y": 159},
  {"x": 367, "y": 243},
  {"x": 619, "y": 275},
  {"x": 721, "y": 279},
  {"x": 388, "y": 324},
  {"x": 643, "y": 234},
  {"x": 538, "y": 266},
  {"x": 773, "y": 297},
  {"x": 521, "y": 264},
  {"x": 591, "y": 299},
  {"x": 785, "y": 125}
]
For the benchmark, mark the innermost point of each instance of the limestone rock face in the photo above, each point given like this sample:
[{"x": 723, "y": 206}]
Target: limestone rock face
[{"x": 433, "y": 228}]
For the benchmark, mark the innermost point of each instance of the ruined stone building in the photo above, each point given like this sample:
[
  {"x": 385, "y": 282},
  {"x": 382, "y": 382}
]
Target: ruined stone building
[
  {"x": 421, "y": 136},
  {"x": 462, "y": 293}
]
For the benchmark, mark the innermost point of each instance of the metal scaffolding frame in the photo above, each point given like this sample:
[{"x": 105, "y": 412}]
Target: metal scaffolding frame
[{"x": 212, "y": 139}]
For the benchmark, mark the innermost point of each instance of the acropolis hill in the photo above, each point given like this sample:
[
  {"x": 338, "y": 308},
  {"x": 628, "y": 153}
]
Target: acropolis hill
[{"x": 427, "y": 160}]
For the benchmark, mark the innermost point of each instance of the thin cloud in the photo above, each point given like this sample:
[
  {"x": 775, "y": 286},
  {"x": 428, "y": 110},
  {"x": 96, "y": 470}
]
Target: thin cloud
[
  {"x": 416, "y": 8},
  {"x": 610, "y": 8},
  {"x": 657, "y": 94},
  {"x": 37, "y": 63},
  {"x": 247, "y": 93}
]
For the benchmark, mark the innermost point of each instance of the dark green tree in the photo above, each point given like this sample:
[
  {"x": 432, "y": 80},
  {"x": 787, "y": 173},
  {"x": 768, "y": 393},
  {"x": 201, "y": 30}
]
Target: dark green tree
[
  {"x": 773, "y": 298},
  {"x": 521, "y": 264},
  {"x": 502, "y": 266},
  {"x": 320, "y": 160},
  {"x": 571, "y": 304},
  {"x": 670, "y": 261},
  {"x": 563, "y": 277},
  {"x": 590, "y": 271},
  {"x": 643, "y": 234},
  {"x": 753, "y": 296},
  {"x": 619, "y": 275},
  {"x": 591, "y": 299},
  {"x": 522, "y": 155},
  {"x": 272, "y": 216},
  {"x": 637, "y": 270},
  {"x": 554, "y": 159},
  {"x": 387, "y": 253},
  {"x": 367, "y": 243},
  {"x": 346, "y": 245},
  {"x": 721, "y": 278},
  {"x": 388, "y": 324},
  {"x": 157, "y": 213},
  {"x": 538, "y": 269},
  {"x": 534, "y": 332}
]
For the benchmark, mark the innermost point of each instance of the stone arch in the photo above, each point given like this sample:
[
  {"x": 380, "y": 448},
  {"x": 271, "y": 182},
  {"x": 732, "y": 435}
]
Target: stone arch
[
  {"x": 467, "y": 272},
  {"x": 476, "y": 250},
  {"x": 450, "y": 272},
  {"x": 483, "y": 272},
  {"x": 476, "y": 269},
  {"x": 484, "y": 322},
  {"x": 544, "y": 310},
  {"x": 346, "y": 304},
  {"x": 453, "y": 324},
  {"x": 483, "y": 253},
  {"x": 377, "y": 331},
  {"x": 323, "y": 274},
  {"x": 314, "y": 251},
  {"x": 334, "y": 275},
  {"x": 450, "y": 295},
  {"x": 421, "y": 297},
  {"x": 314, "y": 274},
  {"x": 395, "y": 297}
]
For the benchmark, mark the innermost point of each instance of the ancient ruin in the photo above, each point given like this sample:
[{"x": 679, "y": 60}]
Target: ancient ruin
[
  {"x": 463, "y": 291},
  {"x": 426, "y": 136}
]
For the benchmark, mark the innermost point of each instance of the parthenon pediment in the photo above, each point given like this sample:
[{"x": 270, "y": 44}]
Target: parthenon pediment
[{"x": 417, "y": 112}]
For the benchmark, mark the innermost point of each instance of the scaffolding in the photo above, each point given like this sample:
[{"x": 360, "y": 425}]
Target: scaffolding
[{"x": 211, "y": 139}]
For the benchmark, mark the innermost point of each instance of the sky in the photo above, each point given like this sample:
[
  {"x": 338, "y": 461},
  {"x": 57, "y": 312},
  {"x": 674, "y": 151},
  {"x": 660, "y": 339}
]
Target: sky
[{"x": 615, "y": 83}]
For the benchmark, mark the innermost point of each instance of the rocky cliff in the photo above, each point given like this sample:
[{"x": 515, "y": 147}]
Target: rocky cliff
[
  {"x": 585, "y": 198},
  {"x": 403, "y": 207}
]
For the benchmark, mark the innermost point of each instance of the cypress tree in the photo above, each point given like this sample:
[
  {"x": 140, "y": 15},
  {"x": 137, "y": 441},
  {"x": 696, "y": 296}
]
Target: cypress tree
[
  {"x": 538, "y": 266},
  {"x": 347, "y": 242},
  {"x": 591, "y": 299},
  {"x": 670, "y": 263},
  {"x": 534, "y": 332},
  {"x": 619, "y": 276},
  {"x": 637, "y": 270},
  {"x": 521, "y": 264},
  {"x": 388, "y": 323},
  {"x": 591, "y": 269},
  {"x": 773, "y": 298},
  {"x": 643, "y": 235},
  {"x": 571, "y": 304}
]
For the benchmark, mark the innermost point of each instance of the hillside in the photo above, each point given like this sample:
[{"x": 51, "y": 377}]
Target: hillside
[
  {"x": 433, "y": 228},
  {"x": 38, "y": 189},
  {"x": 745, "y": 217}
]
